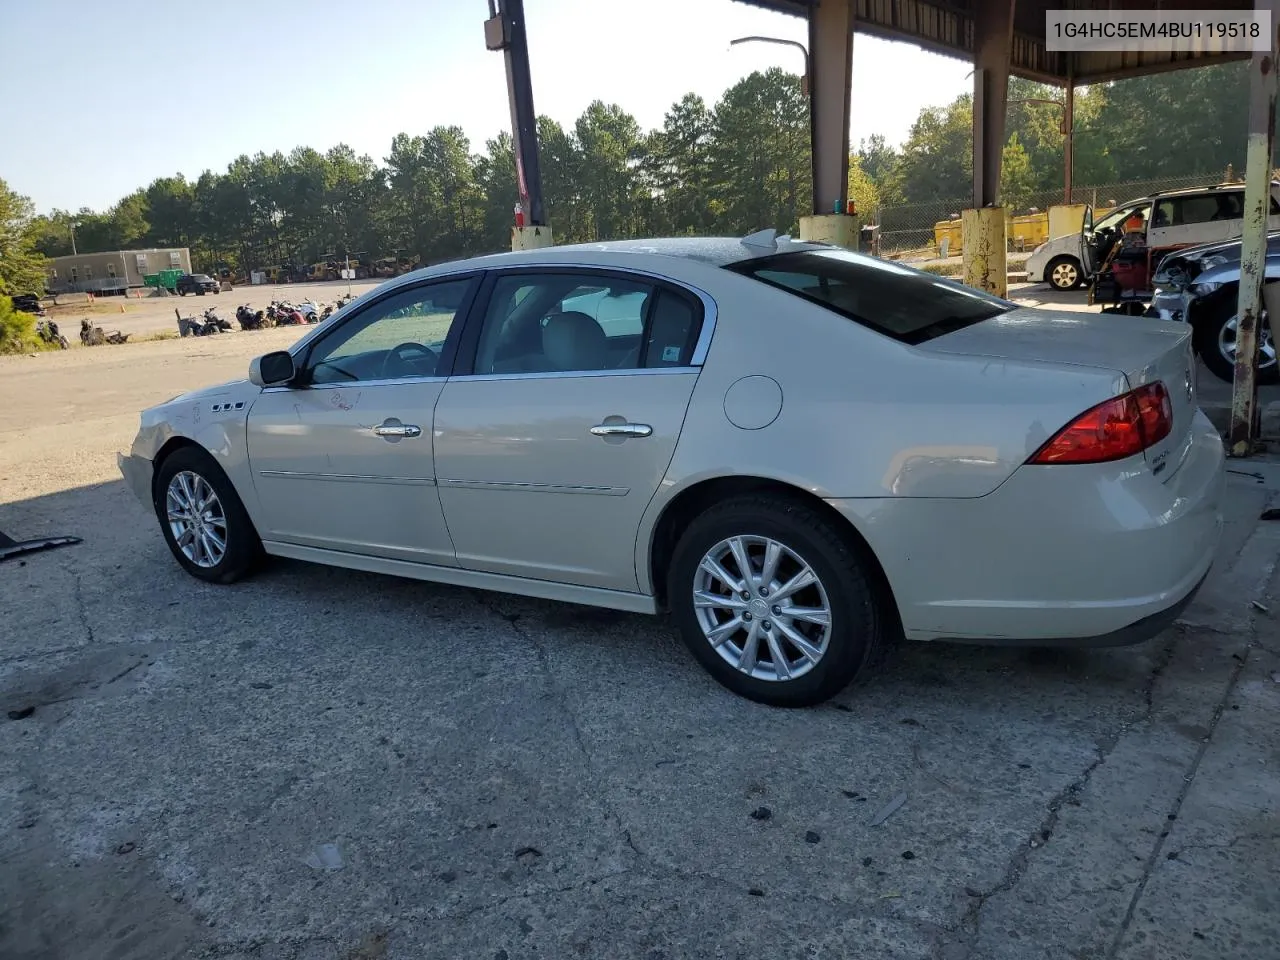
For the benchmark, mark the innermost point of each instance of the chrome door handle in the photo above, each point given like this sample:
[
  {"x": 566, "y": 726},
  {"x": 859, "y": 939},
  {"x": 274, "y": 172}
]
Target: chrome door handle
[
  {"x": 395, "y": 430},
  {"x": 622, "y": 430}
]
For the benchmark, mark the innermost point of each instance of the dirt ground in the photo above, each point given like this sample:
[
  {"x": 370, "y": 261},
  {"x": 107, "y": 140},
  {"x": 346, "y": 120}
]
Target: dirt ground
[
  {"x": 149, "y": 315},
  {"x": 318, "y": 764}
]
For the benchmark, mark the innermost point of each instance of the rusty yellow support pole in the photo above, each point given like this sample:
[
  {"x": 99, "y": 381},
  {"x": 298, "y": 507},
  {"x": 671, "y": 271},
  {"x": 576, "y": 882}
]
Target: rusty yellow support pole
[
  {"x": 983, "y": 239},
  {"x": 983, "y": 230},
  {"x": 1242, "y": 433},
  {"x": 830, "y": 85},
  {"x": 530, "y": 238}
]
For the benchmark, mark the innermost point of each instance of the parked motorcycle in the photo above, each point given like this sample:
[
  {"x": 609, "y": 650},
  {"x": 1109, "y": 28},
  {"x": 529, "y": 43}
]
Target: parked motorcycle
[
  {"x": 204, "y": 327},
  {"x": 310, "y": 312},
  {"x": 47, "y": 330},
  {"x": 211, "y": 318},
  {"x": 92, "y": 336},
  {"x": 283, "y": 313},
  {"x": 250, "y": 319}
]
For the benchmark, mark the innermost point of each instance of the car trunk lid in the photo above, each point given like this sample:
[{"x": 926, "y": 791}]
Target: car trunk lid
[{"x": 1143, "y": 350}]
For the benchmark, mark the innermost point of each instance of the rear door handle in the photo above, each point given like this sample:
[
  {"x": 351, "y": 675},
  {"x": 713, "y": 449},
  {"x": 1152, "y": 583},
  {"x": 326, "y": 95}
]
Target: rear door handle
[
  {"x": 394, "y": 430},
  {"x": 622, "y": 430}
]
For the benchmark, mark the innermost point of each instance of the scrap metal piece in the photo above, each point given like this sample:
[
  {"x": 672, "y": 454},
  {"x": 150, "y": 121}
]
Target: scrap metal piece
[
  {"x": 10, "y": 547},
  {"x": 888, "y": 810}
]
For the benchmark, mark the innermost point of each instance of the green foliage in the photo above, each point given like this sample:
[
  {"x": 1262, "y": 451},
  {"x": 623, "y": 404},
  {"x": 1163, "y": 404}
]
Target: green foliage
[
  {"x": 1017, "y": 181},
  {"x": 22, "y": 268},
  {"x": 17, "y": 330},
  {"x": 728, "y": 168},
  {"x": 862, "y": 189}
]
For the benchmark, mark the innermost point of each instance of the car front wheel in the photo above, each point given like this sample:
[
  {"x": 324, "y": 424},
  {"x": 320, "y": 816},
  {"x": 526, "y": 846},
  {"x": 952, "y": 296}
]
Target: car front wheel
[
  {"x": 1063, "y": 273},
  {"x": 202, "y": 518},
  {"x": 774, "y": 602},
  {"x": 1216, "y": 343}
]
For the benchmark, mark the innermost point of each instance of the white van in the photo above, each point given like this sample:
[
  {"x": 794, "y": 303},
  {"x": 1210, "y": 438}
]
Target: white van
[{"x": 1176, "y": 218}]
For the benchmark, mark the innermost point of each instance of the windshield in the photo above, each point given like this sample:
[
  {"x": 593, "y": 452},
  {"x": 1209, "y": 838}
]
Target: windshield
[{"x": 900, "y": 302}]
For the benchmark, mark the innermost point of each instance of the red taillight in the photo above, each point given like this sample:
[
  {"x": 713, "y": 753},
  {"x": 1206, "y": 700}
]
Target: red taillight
[{"x": 1113, "y": 430}]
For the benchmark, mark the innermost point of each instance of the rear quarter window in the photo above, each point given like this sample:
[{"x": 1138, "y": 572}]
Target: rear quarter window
[{"x": 900, "y": 302}]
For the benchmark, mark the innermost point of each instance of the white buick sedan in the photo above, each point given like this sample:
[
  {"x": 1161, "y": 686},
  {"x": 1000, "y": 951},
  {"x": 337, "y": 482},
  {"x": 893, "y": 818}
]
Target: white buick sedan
[{"x": 797, "y": 451}]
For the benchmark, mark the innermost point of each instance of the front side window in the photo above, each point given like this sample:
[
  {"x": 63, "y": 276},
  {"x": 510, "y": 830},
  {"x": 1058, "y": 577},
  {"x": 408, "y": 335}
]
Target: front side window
[
  {"x": 401, "y": 336},
  {"x": 574, "y": 322},
  {"x": 1118, "y": 216},
  {"x": 906, "y": 304}
]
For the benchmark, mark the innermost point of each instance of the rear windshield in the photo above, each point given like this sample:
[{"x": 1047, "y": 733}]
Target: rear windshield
[{"x": 906, "y": 304}]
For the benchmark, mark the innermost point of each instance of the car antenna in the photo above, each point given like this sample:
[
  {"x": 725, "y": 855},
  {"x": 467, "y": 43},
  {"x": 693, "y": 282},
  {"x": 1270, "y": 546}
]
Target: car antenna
[{"x": 762, "y": 239}]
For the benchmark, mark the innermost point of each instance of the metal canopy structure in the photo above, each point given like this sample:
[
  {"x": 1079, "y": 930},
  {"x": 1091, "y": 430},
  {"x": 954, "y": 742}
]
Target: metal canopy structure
[
  {"x": 1001, "y": 38},
  {"x": 951, "y": 28}
]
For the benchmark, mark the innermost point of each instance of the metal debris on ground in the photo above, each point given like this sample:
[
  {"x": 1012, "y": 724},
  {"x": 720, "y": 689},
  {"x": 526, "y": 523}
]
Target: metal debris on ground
[
  {"x": 888, "y": 810},
  {"x": 10, "y": 547},
  {"x": 324, "y": 857},
  {"x": 1259, "y": 606}
]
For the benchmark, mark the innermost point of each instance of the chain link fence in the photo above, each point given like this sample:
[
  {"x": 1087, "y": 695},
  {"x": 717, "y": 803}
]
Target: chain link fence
[{"x": 909, "y": 227}]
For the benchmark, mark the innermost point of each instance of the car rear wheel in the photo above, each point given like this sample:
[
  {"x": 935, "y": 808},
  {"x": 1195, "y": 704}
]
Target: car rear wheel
[
  {"x": 774, "y": 602},
  {"x": 1063, "y": 273},
  {"x": 1216, "y": 343},
  {"x": 202, "y": 518}
]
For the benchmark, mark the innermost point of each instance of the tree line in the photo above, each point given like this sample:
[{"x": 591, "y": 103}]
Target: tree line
[{"x": 728, "y": 168}]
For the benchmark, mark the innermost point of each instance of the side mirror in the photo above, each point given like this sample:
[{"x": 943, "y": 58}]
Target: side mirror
[{"x": 271, "y": 369}]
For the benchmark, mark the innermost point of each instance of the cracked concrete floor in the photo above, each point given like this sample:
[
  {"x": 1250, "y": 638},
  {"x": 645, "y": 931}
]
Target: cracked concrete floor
[{"x": 325, "y": 764}]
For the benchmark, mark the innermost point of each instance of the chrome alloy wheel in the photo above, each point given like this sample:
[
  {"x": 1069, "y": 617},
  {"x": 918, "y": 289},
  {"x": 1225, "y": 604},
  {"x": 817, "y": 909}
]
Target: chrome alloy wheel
[
  {"x": 762, "y": 608},
  {"x": 1266, "y": 345},
  {"x": 196, "y": 519}
]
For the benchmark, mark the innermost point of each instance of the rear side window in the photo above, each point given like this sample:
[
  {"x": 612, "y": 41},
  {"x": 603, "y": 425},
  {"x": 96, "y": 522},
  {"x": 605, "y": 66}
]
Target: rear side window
[
  {"x": 673, "y": 330},
  {"x": 1204, "y": 208},
  {"x": 906, "y": 304}
]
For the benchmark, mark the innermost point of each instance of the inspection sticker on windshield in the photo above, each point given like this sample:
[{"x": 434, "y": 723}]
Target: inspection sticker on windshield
[
  {"x": 670, "y": 354},
  {"x": 1183, "y": 31}
]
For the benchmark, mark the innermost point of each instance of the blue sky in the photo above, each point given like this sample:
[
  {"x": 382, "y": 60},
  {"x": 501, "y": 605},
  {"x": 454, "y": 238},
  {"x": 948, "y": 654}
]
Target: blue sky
[{"x": 243, "y": 77}]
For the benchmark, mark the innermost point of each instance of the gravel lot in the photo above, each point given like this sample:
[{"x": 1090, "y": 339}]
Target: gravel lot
[
  {"x": 324, "y": 764},
  {"x": 147, "y": 316}
]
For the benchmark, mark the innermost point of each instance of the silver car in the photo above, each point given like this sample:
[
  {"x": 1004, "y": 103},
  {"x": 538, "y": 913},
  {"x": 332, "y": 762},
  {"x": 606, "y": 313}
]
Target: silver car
[{"x": 799, "y": 452}]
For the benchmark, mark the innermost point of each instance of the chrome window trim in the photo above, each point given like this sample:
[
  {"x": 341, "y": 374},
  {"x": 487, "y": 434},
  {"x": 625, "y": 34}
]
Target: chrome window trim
[
  {"x": 575, "y": 374},
  {"x": 353, "y": 383},
  {"x": 698, "y": 359}
]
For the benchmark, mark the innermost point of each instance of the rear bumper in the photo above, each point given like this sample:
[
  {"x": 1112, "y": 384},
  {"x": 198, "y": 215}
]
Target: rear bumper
[
  {"x": 1095, "y": 555},
  {"x": 137, "y": 473}
]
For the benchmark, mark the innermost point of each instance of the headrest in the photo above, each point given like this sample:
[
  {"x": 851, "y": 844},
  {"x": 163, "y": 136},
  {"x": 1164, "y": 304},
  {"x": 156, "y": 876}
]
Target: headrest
[{"x": 574, "y": 341}]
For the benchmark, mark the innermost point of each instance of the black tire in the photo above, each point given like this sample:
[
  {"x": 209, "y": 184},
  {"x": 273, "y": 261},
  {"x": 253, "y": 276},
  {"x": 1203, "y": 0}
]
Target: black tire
[
  {"x": 1064, "y": 261},
  {"x": 1209, "y": 325},
  {"x": 243, "y": 546},
  {"x": 857, "y": 631}
]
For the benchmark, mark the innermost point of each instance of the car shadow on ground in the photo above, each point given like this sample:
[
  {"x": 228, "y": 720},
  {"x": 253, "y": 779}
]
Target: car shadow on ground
[{"x": 464, "y": 750}]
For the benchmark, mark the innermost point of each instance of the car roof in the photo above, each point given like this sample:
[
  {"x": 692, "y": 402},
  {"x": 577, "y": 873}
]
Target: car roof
[
  {"x": 1207, "y": 188},
  {"x": 712, "y": 251}
]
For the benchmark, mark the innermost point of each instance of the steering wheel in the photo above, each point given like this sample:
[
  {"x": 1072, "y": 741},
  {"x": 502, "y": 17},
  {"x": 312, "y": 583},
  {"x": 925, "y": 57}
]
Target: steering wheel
[{"x": 408, "y": 359}]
